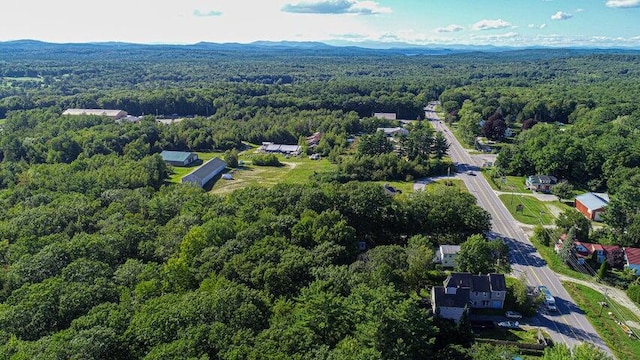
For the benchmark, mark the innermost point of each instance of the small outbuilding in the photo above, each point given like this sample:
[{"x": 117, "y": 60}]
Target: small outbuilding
[
  {"x": 592, "y": 205},
  {"x": 205, "y": 172},
  {"x": 179, "y": 158}
]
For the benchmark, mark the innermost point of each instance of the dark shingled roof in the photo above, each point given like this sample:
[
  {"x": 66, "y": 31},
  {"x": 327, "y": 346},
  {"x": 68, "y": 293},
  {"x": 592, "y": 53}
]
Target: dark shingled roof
[
  {"x": 498, "y": 282},
  {"x": 484, "y": 283},
  {"x": 481, "y": 283},
  {"x": 458, "y": 280},
  {"x": 459, "y": 299}
]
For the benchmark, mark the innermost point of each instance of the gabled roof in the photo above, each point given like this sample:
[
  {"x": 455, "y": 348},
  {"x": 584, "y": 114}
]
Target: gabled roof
[
  {"x": 458, "y": 280},
  {"x": 609, "y": 248},
  {"x": 484, "y": 283},
  {"x": 542, "y": 179},
  {"x": 449, "y": 249},
  {"x": 480, "y": 283},
  {"x": 460, "y": 299},
  {"x": 390, "y": 131},
  {"x": 388, "y": 116},
  {"x": 99, "y": 112},
  {"x": 207, "y": 168},
  {"x": 593, "y": 201},
  {"x": 178, "y": 156},
  {"x": 633, "y": 255},
  {"x": 498, "y": 282}
]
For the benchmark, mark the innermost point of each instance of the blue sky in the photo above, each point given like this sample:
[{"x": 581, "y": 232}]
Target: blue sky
[{"x": 494, "y": 22}]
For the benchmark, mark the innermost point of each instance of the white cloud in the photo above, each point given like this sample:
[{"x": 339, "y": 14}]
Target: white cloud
[
  {"x": 542, "y": 26},
  {"x": 580, "y": 10},
  {"x": 450, "y": 28},
  {"x": 366, "y": 7},
  {"x": 534, "y": 26},
  {"x": 561, "y": 16},
  {"x": 623, "y": 3},
  {"x": 488, "y": 24}
]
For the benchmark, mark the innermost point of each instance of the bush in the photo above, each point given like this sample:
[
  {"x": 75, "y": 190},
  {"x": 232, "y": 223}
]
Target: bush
[
  {"x": 266, "y": 160},
  {"x": 634, "y": 293}
]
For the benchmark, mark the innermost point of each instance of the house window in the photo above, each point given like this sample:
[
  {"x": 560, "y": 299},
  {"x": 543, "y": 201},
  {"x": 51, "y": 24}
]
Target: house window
[
  {"x": 476, "y": 293},
  {"x": 484, "y": 294}
]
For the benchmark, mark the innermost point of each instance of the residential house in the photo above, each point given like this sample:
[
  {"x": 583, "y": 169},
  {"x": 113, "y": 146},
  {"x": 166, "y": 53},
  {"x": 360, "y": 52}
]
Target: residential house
[
  {"x": 394, "y": 131},
  {"x": 388, "y": 116},
  {"x": 632, "y": 257},
  {"x": 205, "y": 172},
  {"x": 446, "y": 255},
  {"x": 542, "y": 183},
  {"x": 464, "y": 289},
  {"x": 113, "y": 114},
  {"x": 585, "y": 250},
  {"x": 314, "y": 140},
  {"x": 179, "y": 158},
  {"x": 592, "y": 205}
]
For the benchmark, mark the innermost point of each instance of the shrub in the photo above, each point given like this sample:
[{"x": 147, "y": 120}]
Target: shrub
[
  {"x": 266, "y": 160},
  {"x": 634, "y": 293}
]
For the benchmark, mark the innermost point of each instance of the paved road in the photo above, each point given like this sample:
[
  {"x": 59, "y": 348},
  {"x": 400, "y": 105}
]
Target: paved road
[{"x": 569, "y": 325}]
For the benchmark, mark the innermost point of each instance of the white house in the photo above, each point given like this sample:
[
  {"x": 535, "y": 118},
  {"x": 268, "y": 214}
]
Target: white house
[
  {"x": 446, "y": 255},
  {"x": 205, "y": 172},
  {"x": 394, "y": 131},
  {"x": 462, "y": 290}
]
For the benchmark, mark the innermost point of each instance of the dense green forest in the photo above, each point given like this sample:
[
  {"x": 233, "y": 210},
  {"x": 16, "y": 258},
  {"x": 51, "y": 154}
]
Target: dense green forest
[{"x": 104, "y": 259}]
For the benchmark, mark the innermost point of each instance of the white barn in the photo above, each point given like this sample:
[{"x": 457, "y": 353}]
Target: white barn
[
  {"x": 205, "y": 172},
  {"x": 114, "y": 114}
]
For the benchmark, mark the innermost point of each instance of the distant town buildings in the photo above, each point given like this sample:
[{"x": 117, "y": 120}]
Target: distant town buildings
[
  {"x": 114, "y": 114},
  {"x": 387, "y": 116}
]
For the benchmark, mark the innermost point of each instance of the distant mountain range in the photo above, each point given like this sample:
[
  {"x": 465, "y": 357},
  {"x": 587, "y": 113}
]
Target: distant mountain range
[{"x": 329, "y": 47}]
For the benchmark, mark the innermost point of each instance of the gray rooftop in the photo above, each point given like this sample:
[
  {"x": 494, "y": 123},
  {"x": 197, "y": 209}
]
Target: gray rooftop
[
  {"x": 178, "y": 156},
  {"x": 460, "y": 299},
  {"x": 593, "y": 201},
  {"x": 208, "y": 167},
  {"x": 449, "y": 249}
]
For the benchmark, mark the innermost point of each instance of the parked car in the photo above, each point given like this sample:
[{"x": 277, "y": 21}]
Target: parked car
[
  {"x": 513, "y": 315},
  {"x": 509, "y": 324},
  {"x": 471, "y": 173}
]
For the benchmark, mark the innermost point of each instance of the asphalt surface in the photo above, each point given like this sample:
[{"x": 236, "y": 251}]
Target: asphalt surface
[{"x": 569, "y": 325}]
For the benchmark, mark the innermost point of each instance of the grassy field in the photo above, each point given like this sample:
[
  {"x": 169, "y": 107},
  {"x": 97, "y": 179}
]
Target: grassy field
[
  {"x": 534, "y": 211},
  {"x": 296, "y": 170},
  {"x": 525, "y": 336},
  {"x": 611, "y": 332},
  {"x": 512, "y": 184}
]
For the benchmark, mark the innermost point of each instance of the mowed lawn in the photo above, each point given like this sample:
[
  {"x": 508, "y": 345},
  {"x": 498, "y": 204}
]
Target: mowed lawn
[
  {"x": 609, "y": 330},
  {"x": 534, "y": 211},
  {"x": 295, "y": 170},
  {"x": 507, "y": 183}
]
